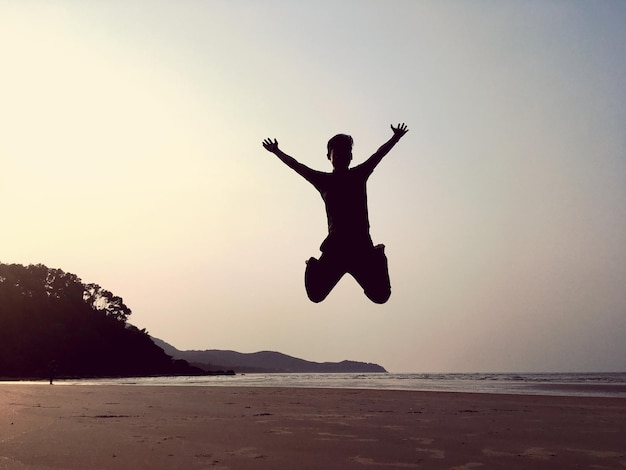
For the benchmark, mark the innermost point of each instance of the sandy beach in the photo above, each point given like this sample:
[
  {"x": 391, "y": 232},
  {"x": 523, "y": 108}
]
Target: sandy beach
[{"x": 142, "y": 427}]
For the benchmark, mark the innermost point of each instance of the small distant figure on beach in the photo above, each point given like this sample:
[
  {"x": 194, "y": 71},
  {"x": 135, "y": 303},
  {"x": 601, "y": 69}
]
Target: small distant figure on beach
[
  {"x": 348, "y": 248},
  {"x": 52, "y": 370}
]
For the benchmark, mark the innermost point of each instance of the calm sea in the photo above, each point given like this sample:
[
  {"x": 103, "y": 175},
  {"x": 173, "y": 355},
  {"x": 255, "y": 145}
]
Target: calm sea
[{"x": 559, "y": 384}]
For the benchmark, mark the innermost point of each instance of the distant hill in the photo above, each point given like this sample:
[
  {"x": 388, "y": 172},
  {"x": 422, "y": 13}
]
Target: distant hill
[{"x": 262, "y": 362}]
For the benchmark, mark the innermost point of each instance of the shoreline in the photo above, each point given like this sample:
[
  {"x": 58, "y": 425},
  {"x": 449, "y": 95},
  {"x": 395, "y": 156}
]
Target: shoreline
[
  {"x": 584, "y": 385},
  {"x": 112, "y": 426}
]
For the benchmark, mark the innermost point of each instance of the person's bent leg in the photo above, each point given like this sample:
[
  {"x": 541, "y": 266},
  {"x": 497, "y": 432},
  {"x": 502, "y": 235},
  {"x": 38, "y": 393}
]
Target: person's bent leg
[
  {"x": 320, "y": 277},
  {"x": 372, "y": 274}
]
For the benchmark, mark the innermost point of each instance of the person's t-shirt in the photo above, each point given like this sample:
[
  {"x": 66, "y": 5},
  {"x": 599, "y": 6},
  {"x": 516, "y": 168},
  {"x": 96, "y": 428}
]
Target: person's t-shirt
[{"x": 345, "y": 196}]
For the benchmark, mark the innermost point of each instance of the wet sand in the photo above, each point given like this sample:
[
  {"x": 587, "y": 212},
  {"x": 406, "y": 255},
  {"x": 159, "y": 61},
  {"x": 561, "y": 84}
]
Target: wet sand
[{"x": 142, "y": 427}]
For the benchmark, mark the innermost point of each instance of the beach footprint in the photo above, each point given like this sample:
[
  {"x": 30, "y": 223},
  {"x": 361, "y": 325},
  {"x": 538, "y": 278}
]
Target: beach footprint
[
  {"x": 468, "y": 466},
  {"x": 247, "y": 452},
  {"x": 373, "y": 463}
]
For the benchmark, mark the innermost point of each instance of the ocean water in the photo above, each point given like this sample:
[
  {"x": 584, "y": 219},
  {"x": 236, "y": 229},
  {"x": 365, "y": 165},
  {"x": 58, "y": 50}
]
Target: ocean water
[{"x": 556, "y": 384}]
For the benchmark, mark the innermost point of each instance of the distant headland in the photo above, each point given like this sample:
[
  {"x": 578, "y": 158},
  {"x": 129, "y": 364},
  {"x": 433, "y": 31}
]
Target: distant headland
[{"x": 263, "y": 362}]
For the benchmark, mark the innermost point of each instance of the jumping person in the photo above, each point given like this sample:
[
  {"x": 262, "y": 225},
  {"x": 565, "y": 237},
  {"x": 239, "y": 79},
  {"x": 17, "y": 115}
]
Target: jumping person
[{"x": 348, "y": 248}]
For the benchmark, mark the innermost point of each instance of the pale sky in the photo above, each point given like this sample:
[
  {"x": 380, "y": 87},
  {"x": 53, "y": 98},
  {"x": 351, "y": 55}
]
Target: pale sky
[{"x": 130, "y": 155}]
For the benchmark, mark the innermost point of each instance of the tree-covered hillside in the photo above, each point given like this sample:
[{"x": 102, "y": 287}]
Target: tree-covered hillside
[{"x": 50, "y": 318}]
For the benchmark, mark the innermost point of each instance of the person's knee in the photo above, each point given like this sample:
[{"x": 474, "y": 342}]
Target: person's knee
[
  {"x": 374, "y": 276},
  {"x": 379, "y": 296},
  {"x": 316, "y": 289},
  {"x": 316, "y": 296}
]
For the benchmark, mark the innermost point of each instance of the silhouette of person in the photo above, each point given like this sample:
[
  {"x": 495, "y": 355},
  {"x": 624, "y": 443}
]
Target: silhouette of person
[
  {"x": 52, "y": 370},
  {"x": 348, "y": 248}
]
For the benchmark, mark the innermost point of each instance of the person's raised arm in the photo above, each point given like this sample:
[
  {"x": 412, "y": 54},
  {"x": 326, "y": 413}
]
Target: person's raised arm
[
  {"x": 272, "y": 146},
  {"x": 384, "y": 149}
]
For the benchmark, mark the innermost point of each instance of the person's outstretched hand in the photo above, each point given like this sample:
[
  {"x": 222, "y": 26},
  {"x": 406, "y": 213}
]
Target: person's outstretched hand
[
  {"x": 270, "y": 146},
  {"x": 400, "y": 130}
]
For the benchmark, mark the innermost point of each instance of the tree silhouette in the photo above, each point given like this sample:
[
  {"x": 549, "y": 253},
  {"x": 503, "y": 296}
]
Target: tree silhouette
[{"x": 47, "y": 314}]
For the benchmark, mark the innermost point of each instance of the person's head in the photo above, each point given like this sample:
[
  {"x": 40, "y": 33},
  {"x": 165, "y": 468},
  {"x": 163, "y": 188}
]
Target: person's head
[{"x": 340, "y": 151}]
